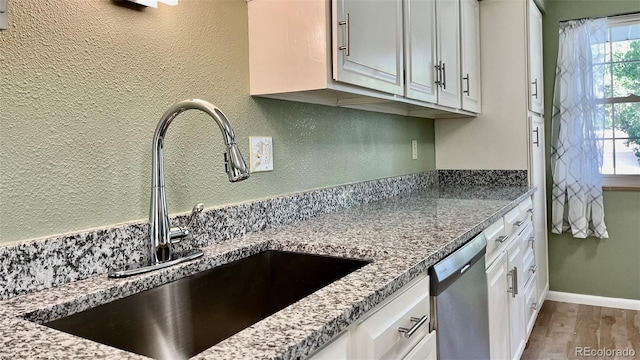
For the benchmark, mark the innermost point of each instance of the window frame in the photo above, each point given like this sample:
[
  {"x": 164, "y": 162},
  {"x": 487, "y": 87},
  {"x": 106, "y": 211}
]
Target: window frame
[{"x": 621, "y": 181}]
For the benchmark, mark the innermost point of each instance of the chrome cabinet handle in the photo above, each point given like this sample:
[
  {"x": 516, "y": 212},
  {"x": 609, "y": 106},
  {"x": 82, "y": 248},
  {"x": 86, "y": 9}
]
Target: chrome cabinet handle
[
  {"x": 438, "y": 73},
  {"x": 444, "y": 76},
  {"x": 345, "y": 23},
  {"x": 532, "y": 240},
  {"x": 530, "y": 211},
  {"x": 510, "y": 290},
  {"x": 502, "y": 239},
  {"x": 537, "y": 142},
  {"x": 533, "y": 269},
  {"x": 412, "y": 330},
  {"x": 466, "y": 78},
  {"x": 535, "y": 83},
  {"x": 518, "y": 223},
  {"x": 534, "y": 306},
  {"x": 515, "y": 281},
  {"x": 513, "y": 290}
]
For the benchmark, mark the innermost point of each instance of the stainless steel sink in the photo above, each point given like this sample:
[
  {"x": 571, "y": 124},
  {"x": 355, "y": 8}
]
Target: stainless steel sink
[{"x": 184, "y": 317}]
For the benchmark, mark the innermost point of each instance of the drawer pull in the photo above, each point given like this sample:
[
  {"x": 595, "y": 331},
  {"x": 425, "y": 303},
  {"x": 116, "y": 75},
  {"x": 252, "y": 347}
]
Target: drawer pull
[
  {"x": 533, "y": 269},
  {"x": 418, "y": 322},
  {"x": 534, "y": 306},
  {"x": 530, "y": 211},
  {"x": 518, "y": 223},
  {"x": 513, "y": 289},
  {"x": 502, "y": 239}
]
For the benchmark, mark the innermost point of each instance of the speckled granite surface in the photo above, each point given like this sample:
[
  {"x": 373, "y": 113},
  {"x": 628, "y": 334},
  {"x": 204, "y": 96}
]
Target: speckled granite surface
[
  {"x": 402, "y": 235},
  {"x": 483, "y": 177},
  {"x": 41, "y": 264}
]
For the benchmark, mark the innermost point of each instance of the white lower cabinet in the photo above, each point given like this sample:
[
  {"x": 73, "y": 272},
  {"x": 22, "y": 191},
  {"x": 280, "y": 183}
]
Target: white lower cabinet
[
  {"x": 531, "y": 306},
  {"x": 511, "y": 282},
  {"x": 425, "y": 350},
  {"x": 337, "y": 349},
  {"x": 498, "y": 303},
  {"x": 515, "y": 298},
  {"x": 383, "y": 332}
]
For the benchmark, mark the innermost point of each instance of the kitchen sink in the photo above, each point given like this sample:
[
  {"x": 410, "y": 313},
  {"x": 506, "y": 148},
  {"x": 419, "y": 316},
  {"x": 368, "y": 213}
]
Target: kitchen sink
[{"x": 182, "y": 318}]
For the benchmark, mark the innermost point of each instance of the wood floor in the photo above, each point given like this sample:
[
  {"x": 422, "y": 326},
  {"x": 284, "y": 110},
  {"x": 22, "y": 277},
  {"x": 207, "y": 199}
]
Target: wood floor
[{"x": 571, "y": 331}]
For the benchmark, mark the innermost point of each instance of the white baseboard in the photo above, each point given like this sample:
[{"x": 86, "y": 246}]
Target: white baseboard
[{"x": 617, "y": 303}]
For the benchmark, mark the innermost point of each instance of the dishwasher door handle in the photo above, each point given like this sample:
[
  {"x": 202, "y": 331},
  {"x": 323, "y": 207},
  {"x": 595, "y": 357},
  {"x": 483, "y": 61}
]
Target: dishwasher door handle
[{"x": 418, "y": 322}]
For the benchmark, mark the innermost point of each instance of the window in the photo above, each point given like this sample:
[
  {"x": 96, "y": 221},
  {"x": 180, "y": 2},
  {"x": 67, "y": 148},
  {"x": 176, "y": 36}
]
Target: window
[{"x": 620, "y": 66}]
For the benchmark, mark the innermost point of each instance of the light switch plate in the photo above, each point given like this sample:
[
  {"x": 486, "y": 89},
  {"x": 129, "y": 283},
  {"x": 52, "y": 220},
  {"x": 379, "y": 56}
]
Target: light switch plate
[
  {"x": 260, "y": 153},
  {"x": 414, "y": 149},
  {"x": 4, "y": 15}
]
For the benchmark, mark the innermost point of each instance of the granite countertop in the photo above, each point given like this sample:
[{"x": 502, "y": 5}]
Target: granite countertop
[{"x": 403, "y": 236}]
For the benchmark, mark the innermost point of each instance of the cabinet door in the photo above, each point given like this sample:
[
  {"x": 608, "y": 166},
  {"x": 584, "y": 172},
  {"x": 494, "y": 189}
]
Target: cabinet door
[
  {"x": 536, "y": 86},
  {"x": 538, "y": 178},
  {"x": 425, "y": 350},
  {"x": 498, "y": 301},
  {"x": 420, "y": 49},
  {"x": 448, "y": 44},
  {"x": 368, "y": 46},
  {"x": 470, "y": 54},
  {"x": 377, "y": 336},
  {"x": 516, "y": 298}
]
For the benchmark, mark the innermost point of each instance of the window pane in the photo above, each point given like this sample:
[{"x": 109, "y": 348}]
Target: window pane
[
  {"x": 627, "y": 119},
  {"x": 626, "y": 50},
  {"x": 608, "y": 81},
  {"x": 627, "y": 158},
  {"x": 607, "y": 163},
  {"x": 608, "y": 120},
  {"x": 626, "y": 79}
]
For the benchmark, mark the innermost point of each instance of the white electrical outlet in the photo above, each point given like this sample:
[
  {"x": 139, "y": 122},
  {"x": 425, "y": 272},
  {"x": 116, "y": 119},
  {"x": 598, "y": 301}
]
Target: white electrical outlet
[
  {"x": 4, "y": 15},
  {"x": 260, "y": 153},
  {"x": 414, "y": 149}
]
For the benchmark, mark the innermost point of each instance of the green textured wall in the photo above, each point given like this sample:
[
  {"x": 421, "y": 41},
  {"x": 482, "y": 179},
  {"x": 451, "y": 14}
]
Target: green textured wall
[
  {"x": 608, "y": 267},
  {"x": 84, "y": 83}
]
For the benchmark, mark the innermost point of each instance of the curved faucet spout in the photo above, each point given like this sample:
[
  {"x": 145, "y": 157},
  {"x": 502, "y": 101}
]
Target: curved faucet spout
[{"x": 160, "y": 231}]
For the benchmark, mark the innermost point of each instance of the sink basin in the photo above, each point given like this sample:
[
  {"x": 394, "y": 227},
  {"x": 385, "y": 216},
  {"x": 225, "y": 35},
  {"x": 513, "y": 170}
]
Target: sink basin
[{"x": 182, "y": 318}]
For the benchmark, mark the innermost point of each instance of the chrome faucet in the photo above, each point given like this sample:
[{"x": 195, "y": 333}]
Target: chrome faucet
[{"x": 161, "y": 234}]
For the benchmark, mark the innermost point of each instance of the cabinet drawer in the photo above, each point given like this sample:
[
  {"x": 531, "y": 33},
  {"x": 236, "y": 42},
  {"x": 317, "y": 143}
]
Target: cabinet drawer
[
  {"x": 526, "y": 207},
  {"x": 516, "y": 218},
  {"x": 528, "y": 240},
  {"x": 529, "y": 269},
  {"x": 510, "y": 219},
  {"x": 425, "y": 350},
  {"x": 495, "y": 237},
  {"x": 378, "y": 336},
  {"x": 337, "y": 349},
  {"x": 530, "y": 304}
]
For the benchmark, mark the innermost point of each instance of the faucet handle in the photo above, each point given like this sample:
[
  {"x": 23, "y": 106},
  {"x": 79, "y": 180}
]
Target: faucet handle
[
  {"x": 177, "y": 233},
  {"x": 197, "y": 209}
]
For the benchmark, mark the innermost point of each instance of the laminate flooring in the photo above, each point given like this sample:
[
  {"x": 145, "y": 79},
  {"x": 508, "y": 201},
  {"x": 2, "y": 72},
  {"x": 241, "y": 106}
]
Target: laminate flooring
[{"x": 572, "y": 331}]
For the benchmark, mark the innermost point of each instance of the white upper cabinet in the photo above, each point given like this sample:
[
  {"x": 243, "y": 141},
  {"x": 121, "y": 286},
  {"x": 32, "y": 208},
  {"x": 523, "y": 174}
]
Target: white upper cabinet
[
  {"x": 534, "y": 32},
  {"x": 432, "y": 50},
  {"x": 448, "y": 44},
  {"x": 392, "y": 56},
  {"x": 470, "y": 55},
  {"x": 368, "y": 44},
  {"x": 420, "y": 50}
]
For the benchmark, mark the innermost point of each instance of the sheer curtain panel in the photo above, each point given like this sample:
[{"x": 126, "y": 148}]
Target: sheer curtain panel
[{"x": 577, "y": 130}]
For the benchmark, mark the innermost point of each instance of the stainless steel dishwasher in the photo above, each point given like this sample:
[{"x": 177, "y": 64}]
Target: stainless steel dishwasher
[{"x": 459, "y": 303}]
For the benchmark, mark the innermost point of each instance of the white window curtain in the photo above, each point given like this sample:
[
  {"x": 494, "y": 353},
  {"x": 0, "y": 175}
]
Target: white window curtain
[{"x": 577, "y": 127}]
